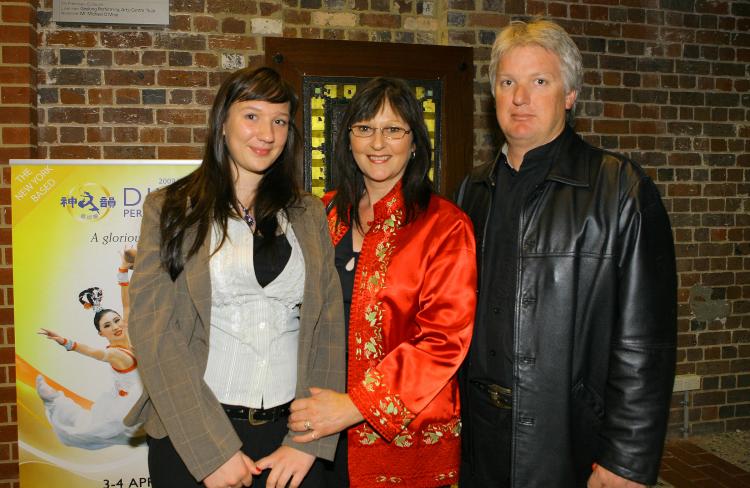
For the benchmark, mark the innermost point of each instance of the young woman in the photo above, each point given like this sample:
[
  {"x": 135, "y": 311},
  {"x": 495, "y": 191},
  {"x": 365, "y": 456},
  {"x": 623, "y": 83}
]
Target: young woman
[
  {"x": 101, "y": 425},
  {"x": 406, "y": 259},
  {"x": 235, "y": 305}
]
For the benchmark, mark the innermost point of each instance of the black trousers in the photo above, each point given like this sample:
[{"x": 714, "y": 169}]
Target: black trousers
[
  {"x": 486, "y": 435},
  {"x": 168, "y": 471}
]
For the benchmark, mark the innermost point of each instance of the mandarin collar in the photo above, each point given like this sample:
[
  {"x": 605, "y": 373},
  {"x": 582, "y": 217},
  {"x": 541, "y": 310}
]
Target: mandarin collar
[
  {"x": 546, "y": 151},
  {"x": 389, "y": 204}
]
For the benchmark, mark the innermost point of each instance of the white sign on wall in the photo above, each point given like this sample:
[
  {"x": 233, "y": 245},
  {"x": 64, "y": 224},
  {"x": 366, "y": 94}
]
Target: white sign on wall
[{"x": 111, "y": 11}]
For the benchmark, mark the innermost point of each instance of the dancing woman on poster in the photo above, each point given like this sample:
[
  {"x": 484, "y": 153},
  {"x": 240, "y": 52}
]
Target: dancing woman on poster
[{"x": 102, "y": 425}]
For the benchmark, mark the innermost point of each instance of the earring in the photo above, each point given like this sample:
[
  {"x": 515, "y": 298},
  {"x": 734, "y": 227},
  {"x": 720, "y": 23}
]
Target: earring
[{"x": 413, "y": 154}]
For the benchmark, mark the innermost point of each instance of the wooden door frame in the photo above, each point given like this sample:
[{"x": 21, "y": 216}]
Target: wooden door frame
[{"x": 452, "y": 65}]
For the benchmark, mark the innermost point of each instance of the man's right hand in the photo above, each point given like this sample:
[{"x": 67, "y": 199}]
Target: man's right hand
[{"x": 238, "y": 471}]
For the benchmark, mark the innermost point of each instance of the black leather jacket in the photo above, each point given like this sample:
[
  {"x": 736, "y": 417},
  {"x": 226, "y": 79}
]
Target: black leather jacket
[{"x": 595, "y": 319}]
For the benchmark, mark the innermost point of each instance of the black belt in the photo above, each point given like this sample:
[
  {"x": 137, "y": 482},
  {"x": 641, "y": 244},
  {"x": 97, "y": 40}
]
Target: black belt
[
  {"x": 500, "y": 396},
  {"x": 257, "y": 416}
]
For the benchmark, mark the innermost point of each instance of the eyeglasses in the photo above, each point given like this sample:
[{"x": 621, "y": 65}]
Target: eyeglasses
[{"x": 390, "y": 133}]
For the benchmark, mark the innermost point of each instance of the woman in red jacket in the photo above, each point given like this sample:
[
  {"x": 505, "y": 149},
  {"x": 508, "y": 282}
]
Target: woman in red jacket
[{"x": 406, "y": 259}]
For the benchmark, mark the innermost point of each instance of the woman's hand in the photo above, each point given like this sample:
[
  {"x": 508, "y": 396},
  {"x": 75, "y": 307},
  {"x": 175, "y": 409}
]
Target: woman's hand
[
  {"x": 50, "y": 334},
  {"x": 236, "y": 472},
  {"x": 324, "y": 413},
  {"x": 288, "y": 465}
]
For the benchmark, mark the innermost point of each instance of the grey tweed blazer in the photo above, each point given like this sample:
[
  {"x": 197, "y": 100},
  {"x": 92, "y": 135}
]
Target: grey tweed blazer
[{"x": 169, "y": 328}]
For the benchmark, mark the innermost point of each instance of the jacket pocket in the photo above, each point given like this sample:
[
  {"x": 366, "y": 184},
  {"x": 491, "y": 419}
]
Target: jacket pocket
[
  {"x": 587, "y": 415},
  {"x": 588, "y": 398}
]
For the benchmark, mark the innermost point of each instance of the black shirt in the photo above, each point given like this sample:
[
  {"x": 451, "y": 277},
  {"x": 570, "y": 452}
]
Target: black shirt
[
  {"x": 270, "y": 257},
  {"x": 492, "y": 355},
  {"x": 346, "y": 265}
]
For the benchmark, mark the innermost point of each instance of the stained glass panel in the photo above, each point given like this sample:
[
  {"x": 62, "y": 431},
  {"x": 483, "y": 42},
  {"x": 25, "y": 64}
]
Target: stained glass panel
[{"x": 324, "y": 102}]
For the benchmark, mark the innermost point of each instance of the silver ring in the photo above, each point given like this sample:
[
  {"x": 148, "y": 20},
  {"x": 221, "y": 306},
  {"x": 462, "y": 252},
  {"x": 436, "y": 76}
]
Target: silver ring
[{"x": 307, "y": 425}]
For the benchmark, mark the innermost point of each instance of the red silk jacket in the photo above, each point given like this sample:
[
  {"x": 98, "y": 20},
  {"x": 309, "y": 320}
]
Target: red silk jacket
[{"x": 411, "y": 321}]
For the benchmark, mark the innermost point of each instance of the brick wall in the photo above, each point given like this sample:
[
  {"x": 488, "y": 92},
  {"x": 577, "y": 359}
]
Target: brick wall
[
  {"x": 18, "y": 139},
  {"x": 666, "y": 82}
]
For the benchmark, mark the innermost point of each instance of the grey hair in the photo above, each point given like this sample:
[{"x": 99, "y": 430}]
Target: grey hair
[{"x": 546, "y": 34}]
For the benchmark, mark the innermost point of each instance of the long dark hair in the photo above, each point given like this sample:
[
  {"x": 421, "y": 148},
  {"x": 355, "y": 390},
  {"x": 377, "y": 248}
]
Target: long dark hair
[
  {"x": 364, "y": 105},
  {"x": 207, "y": 195}
]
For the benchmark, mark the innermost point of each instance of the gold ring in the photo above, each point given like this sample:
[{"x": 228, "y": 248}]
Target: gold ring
[{"x": 307, "y": 425}]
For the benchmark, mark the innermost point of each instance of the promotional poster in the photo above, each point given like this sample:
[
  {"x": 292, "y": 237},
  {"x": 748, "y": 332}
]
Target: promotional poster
[{"x": 75, "y": 237}]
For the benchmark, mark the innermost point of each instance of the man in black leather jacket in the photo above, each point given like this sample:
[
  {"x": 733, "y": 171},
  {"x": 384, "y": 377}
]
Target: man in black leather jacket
[{"x": 569, "y": 377}]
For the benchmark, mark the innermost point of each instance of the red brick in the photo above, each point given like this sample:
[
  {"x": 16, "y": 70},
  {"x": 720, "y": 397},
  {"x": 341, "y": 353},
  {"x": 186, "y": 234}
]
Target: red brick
[
  {"x": 636, "y": 31},
  {"x": 243, "y": 7},
  {"x": 69, "y": 38},
  {"x": 187, "y": 6},
  {"x": 17, "y": 135},
  {"x": 154, "y": 58},
  {"x": 129, "y": 152},
  {"x": 301, "y": 17},
  {"x": 231, "y": 42},
  {"x": 100, "y": 96},
  {"x": 6, "y": 318},
  {"x": 179, "y": 23},
  {"x": 493, "y": 20},
  {"x": 123, "y": 77},
  {"x": 309, "y": 33},
  {"x": 126, "y": 40},
  {"x": 98, "y": 134},
  {"x": 128, "y": 115},
  {"x": 611, "y": 126},
  {"x": 177, "y": 135},
  {"x": 641, "y": 127},
  {"x": 75, "y": 152},
  {"x": 206, "y": 24},
  {"x": 19, "y": 115},
  {"x": 126, "y": 58},
  {"x": 267, "y": 9},
  {"x": 206, "y": 60},
  {"x": 126, "y": 134},
  {"x": 20, "y": 14},
  {"x": 62, "y": 115},
  {"x": 72, "y": 135},
  {"x": 152, "y": 134},
  {"x": 17, "y": 34},
  {"x": 181, "y": 117},
  {"x": 380, "y": 21},
  {"x": 16, "y": 95},
  {"x": 182, "y": 78},
  {"x": 19, "y": 55},
  {"x": 72, "y": 96},
  {"x": 127, "y": 96},
  {"x": 180, "y": 152},
  {"x": 458, "y": 37},
  {"x": 48, "y": 134},
  {"x": 15, "y": 75},
  {"x": 231, "y": 25}
]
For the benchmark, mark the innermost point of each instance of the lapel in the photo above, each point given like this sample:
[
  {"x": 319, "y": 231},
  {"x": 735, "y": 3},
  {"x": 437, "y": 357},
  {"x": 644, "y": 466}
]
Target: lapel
[
  {"x": 308, "y": 241},
  {"x": 198, "y": 278},
  {"x": 198, "y": 275}
]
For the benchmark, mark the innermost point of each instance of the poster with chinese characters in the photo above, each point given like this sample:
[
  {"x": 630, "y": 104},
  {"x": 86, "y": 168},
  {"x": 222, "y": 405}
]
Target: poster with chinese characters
[{"x": 75, "y": 237}]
